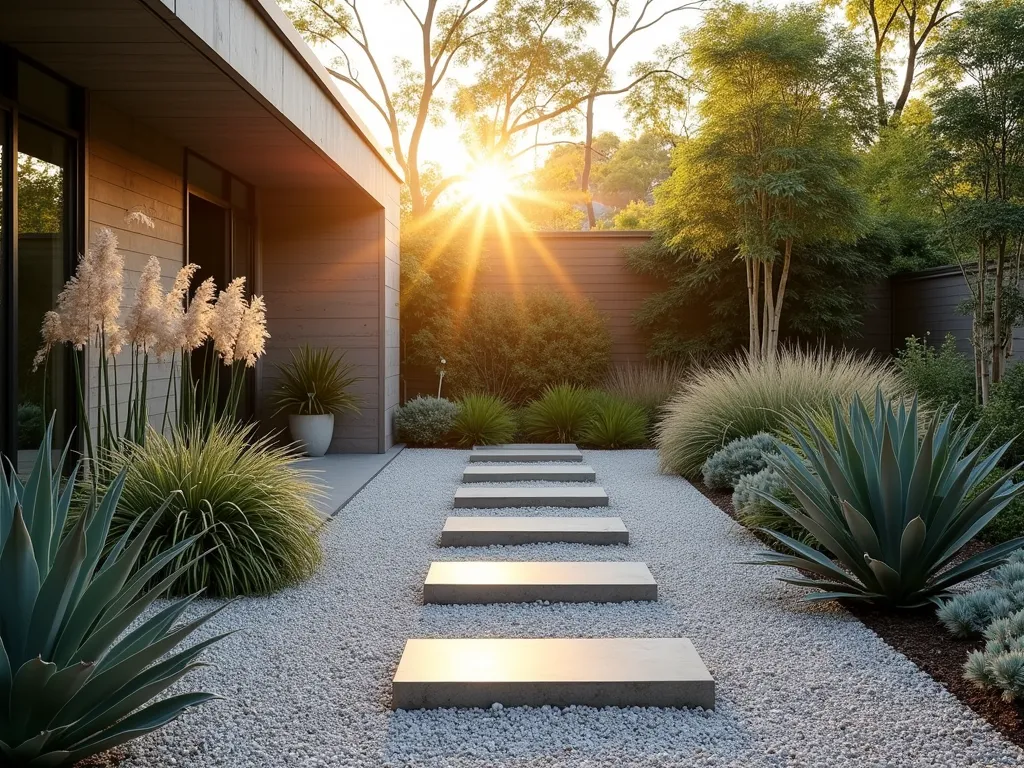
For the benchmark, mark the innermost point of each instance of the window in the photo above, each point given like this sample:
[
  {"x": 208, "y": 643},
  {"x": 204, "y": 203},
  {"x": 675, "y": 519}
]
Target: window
[{"x": 40, "y": 233}]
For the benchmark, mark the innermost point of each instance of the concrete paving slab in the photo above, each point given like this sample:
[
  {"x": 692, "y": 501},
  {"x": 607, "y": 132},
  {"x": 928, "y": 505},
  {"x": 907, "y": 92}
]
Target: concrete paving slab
[
  {"x": 499, "y": 497},
  {"x": 525, "y": 455},
  {"x": 594, "y": 672},
  {"x": 482, "y": 582},
  {"x": 487, "y": 531},
  {"x": 485, "y": 473},
  {"x": 528, "y": 447}
]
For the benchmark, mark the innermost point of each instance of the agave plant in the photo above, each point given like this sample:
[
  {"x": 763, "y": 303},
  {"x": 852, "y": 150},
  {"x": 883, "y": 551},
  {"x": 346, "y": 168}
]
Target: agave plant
[
  {"x": 891, "y": 504},
  {"x": 73, "y": 680}
]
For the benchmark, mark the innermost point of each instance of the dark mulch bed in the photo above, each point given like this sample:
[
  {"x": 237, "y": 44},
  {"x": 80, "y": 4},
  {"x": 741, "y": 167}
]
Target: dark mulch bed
[{"x": 919, "y": 636}]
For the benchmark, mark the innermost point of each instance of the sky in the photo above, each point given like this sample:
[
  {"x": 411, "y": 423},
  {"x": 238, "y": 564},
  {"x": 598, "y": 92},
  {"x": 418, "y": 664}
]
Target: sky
[{"x": 393, "y": 32}]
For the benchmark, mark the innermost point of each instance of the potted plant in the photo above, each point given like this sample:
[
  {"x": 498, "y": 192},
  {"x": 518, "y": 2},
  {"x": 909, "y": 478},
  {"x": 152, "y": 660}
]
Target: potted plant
[{"x": 314, "y": 387}]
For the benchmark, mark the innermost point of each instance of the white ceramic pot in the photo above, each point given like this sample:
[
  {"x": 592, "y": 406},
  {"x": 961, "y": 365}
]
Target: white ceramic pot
[{"x": 313, "y": 433}]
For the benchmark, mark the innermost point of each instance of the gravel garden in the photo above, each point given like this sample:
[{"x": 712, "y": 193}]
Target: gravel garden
[{"x": 307, "y": 679}]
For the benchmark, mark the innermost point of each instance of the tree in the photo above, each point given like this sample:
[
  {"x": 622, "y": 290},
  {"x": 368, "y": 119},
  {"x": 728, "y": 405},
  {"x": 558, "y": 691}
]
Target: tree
[
  {"x": 533, "y": 71},
  {"x": 618, "y": 12},
  {"x": 622, "y": 171},
  {"x": 887, "y": 21},
  {"x": 702, "y": 311},
  {"x": 978, "y": 101},
  {"x": 448, "y": 36},
  {"x": 772, "y": 165}
]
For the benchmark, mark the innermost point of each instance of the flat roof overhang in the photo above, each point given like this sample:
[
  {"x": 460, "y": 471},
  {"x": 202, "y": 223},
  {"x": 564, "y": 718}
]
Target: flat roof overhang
[{"x": 143, "y": 59}]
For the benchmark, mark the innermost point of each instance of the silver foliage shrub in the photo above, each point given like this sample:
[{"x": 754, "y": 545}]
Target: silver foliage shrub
[
  {"x": 1000, "y": 664},
  {"x": 969, "y": 614},
  {"x": 742, "y": 456},
  {"x": 426, "y": 420}
]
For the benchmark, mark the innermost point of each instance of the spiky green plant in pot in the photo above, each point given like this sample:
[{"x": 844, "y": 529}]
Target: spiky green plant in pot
[
  {"x": 890, "y": 503},
  {"x": 73, "y": 680}
]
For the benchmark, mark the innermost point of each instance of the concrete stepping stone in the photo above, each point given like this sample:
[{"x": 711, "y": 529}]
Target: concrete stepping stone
[
  {"x": 593, "y": 672},
  {"x": 525, "y": 455},
  {"x": 528, "y": 447},
  {"x": 482, "y": 473},
  {"x": 492, "y": 497},
  {"x": 485, "y": 531},
  {"x": 482, "y": 582}
]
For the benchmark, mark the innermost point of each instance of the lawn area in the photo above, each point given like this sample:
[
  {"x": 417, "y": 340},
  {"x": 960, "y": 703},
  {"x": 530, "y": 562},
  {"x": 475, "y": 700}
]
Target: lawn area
[{"x": 307, "y": 680}]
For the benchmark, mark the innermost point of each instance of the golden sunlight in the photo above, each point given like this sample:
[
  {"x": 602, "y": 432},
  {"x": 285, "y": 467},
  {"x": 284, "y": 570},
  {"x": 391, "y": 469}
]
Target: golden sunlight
[{"x": 489, "y": 185}]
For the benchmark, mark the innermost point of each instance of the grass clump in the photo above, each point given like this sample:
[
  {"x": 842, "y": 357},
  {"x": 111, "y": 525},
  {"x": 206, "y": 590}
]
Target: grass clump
[
  {"x": 649, "y": 385},
  {"x": 559, "y": 415},
  {"x": 743, "y": 396},
  {"x": 615, "y": 423},
  {"x": 316, "y": 382},
  {"x": 246, "y": 500},
  {"x": 426, "y": 421},
  {"x": 484, "y": 420}
]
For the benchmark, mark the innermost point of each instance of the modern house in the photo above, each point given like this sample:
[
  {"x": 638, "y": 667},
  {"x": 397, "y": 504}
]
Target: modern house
[{"x": 215, "y": 119}]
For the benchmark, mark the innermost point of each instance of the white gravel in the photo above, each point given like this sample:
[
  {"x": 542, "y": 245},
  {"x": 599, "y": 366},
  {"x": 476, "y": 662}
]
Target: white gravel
[{"x": 308, "y": 681}]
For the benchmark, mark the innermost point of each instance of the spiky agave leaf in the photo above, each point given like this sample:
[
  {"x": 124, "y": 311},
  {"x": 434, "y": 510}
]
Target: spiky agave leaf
[
  {"x": 892, "y": 504},
  {"x": 72, "y": 682}
]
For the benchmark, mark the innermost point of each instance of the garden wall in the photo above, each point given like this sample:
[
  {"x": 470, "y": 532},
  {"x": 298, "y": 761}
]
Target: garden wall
[
  {"x": 590, "y": 264},
  {"x": 926, "y": 303}
]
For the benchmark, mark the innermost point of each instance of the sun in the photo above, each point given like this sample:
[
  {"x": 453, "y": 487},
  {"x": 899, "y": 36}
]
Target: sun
[{"x": 489, "y": 186}]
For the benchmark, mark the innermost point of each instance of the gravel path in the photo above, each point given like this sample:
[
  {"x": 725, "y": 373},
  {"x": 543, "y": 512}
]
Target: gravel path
[{"x": 307, "y": 683}]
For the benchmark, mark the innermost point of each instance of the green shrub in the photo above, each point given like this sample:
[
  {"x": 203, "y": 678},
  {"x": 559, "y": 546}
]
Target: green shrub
[
  {"x": 891, "y": 504},
  {"x": 514, "y": 347},
  {"x": 246, "y": 502},
  {"x": 73, "y": 683},
  {"x": 559, "y": 415},
  {"x": 941, "y": 377},
  {"x": 967, "y": 615},
  {"x": 31, "y": 425},
  {"x": 1003, "y": 417},
  {"x": 1000, "y": 664},
  {"x": 739, "y": 457},
  {"x": 754, "y": 511},
  {"x": 316, "y": 382},
  {"x": 649, "y": 385},
  {"x": 484, "y": 420},
  {"x": 615, "y": 423},
  {"x": 742, "y": 396},
  {"x": 426, "y": 421}
]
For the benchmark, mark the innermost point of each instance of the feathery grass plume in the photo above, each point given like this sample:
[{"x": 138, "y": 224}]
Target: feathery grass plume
[
  {"x": 226, "y": 320},
  {"x": 742, "y": 396},
  {"x": 146, "y": 322},
  {"x": 52, "y": 333},
  {"x": 649, "y": 385},
  {"x": 138, "y": 215},
  {"x": 251, "y": 341},
  {"x": 196, "y": 322},
  {"x": 247, "y": 500},
  {"x": 172, "y": 338}
]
